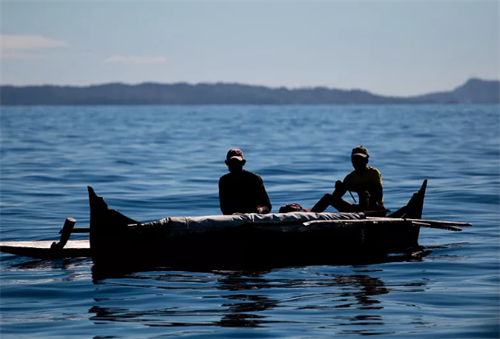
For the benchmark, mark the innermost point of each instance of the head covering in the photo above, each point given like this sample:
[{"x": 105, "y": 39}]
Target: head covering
[
  {"x": 234, "y": 153},
  {"x": 360, "y": 151}
]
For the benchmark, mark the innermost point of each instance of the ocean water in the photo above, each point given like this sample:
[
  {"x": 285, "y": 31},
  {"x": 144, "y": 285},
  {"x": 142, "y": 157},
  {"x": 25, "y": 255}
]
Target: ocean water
[{"x": 150, "y": 162}]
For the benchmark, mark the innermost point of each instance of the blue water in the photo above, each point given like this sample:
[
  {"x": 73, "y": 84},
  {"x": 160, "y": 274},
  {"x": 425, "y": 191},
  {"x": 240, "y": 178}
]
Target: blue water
[{"x": 151, "y": 162}]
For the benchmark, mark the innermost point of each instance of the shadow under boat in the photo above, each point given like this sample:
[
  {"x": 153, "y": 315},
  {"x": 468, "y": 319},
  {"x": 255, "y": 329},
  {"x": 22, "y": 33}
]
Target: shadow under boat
[{"x": 119, "y": 243}]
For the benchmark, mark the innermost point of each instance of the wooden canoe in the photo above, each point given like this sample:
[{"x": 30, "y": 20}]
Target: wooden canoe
[{"x": 248, "y": 240}]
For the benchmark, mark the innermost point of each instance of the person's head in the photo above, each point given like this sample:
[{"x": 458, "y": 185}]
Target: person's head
[
  {"x": 235, "y": 160},
  {"x": 359, "y": 157}
]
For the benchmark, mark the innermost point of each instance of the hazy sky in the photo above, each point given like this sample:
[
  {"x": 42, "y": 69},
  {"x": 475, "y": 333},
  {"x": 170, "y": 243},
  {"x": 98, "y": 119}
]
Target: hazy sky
[{"x": 386, "y": 47}]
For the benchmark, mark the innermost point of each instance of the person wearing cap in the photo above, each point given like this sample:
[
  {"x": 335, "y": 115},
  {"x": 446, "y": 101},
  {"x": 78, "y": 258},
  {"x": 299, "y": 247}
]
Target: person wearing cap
[
  {"x": 364, "y": 180},
  {"x": 241, "y": 191}
]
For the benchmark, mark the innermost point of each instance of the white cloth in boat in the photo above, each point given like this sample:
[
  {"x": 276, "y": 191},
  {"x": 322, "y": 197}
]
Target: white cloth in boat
[{"x": 284, "y": 222}]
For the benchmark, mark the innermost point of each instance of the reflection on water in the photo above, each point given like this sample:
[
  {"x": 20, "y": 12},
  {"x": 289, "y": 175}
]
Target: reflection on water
[
  {"x": 366, "y": 287},
  {"x": 73, "y": 268},
  {"x": 66, "y": 264},
  {"x": 358, "y": 292},
  {"x": 246, "y": 298}
]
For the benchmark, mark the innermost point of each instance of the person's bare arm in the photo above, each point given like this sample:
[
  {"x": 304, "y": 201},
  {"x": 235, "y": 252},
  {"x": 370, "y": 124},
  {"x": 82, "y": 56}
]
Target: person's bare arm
[
  {"x": 264, "y": 202},
  {"x": 377, "y": 192}
]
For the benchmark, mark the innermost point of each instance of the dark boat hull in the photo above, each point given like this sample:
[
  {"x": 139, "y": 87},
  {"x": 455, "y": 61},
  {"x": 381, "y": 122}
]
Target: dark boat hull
[
  {"x": 250, "y": 246},
  {"x": 240, "y": 247}
]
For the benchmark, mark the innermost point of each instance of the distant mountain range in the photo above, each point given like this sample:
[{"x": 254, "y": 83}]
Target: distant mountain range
[{"x": 474, "y": 91}]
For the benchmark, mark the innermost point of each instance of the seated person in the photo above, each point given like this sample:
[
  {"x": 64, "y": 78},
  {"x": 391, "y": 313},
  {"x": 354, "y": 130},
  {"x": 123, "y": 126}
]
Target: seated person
[
  {"x": 241, "y": 191},
  {"x": 364, "y": 180}
]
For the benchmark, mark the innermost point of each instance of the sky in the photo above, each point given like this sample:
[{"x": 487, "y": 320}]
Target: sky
[{"x": 398, "y": 48}]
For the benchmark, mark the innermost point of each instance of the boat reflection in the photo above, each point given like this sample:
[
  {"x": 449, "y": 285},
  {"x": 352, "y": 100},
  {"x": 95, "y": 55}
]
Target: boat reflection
[
  {"x": 368, "y": 287},
  {"x": 74, "y": 268},
  {"x": 62, "y": 264},
  {"x": 246, "y": 298}
]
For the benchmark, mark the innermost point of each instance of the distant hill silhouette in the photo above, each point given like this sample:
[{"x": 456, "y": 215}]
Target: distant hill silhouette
[{"x": 473, "y": 91}]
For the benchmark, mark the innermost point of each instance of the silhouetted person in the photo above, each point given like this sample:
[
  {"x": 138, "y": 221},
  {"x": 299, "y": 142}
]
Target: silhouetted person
[
  {"x": 364, "y": 180},
  {"x": 241, "y": 191}
]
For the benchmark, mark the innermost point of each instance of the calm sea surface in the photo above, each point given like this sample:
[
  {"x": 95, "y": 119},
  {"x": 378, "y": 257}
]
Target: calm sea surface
[{"x": 157, "y": 161}]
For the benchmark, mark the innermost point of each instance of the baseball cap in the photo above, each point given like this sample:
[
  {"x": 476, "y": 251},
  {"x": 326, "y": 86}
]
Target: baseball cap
[
  {"x": 360, "y": 151},
  {"x": 234, "y": 153}
]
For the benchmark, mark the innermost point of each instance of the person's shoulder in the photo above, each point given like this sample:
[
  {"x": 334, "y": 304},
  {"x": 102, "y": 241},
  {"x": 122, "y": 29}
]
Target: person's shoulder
[
  {"x": 373, "y": 170},
  {"x": 225, "y": 177},
  {"x": 375, "y": 174},
  {"x": 252, "y": 175},
  {"x": 350, "y": 176}
]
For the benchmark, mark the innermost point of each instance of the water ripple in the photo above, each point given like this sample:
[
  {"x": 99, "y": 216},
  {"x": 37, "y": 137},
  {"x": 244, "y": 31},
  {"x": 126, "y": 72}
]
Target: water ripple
[{"x": 153, "y": 161}]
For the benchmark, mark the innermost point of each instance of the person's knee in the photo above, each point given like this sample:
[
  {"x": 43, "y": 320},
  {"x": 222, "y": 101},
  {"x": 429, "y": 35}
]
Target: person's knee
[
  {"x": 364, "y": 199},
  {"x": 331, "y": 199}
]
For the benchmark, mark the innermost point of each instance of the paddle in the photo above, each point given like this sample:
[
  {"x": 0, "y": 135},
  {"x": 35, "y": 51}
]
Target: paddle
[
  {"x": 436, "y": 222},
  {"x": 353, "y": 197},
  {"x": 445, "y": 225},
  {"x": 442, "y": 227}
]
